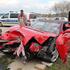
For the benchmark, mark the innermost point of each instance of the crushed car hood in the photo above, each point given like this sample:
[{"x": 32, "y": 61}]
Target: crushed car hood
[{"x": 29, "y": 33}]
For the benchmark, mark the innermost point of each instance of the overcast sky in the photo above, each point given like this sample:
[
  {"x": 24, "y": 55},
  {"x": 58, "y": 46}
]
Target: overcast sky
[{"x": 27, "y": 5}]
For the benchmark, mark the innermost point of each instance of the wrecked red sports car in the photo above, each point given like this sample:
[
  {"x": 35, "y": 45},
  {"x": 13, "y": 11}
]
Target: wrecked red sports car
[{"x": 30, "y": 42}]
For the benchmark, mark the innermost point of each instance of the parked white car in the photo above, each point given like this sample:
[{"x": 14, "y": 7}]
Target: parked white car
[
  {"x": 61, "y": 18},
  {"x": 9, "y": 19}
]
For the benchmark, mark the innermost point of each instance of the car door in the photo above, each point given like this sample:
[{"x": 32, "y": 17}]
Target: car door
[{"x": 13, "y": 18}]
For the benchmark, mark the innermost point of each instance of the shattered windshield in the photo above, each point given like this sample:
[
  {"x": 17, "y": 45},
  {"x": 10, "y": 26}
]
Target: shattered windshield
[{"x": 46, "y": 26}]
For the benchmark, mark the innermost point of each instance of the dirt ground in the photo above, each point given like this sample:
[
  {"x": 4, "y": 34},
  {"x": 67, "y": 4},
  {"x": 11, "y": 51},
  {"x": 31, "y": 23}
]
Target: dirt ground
[{"x": 17, "y": 64}]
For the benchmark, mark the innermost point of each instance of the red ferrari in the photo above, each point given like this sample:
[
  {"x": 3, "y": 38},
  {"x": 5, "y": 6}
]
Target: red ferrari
[{"x": 36, "y": 41}]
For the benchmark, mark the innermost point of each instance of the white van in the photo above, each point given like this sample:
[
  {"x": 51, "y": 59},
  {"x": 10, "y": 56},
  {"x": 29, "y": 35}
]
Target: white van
[{"x": 9, "y": 19}]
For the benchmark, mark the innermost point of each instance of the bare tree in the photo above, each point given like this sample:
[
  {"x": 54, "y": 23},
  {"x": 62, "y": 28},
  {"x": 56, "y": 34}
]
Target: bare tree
[{"x": 62, "y": 7}]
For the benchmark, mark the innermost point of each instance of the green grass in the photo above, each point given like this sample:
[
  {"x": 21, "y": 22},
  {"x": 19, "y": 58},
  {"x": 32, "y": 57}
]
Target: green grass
[
  {"x": 59, "y": 65},
  {"x": 5, "y": 61}
]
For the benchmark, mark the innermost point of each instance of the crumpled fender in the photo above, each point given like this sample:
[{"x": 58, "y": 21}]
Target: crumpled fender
[{"x": 61, "y": 46}]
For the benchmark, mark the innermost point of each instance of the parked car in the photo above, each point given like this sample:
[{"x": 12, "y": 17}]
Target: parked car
[
  {"x": 9, "y": 19},
  {"x": 61, "y": 18}
]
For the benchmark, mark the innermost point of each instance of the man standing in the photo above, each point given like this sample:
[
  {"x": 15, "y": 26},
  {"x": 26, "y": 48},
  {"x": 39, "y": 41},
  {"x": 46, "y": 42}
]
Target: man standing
[{"x": 22, "y": 18}]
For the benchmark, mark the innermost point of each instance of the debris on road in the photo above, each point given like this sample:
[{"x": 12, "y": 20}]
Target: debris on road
[
  {"x": 47, "y": 64},
  {"x": 40, "y": 66}
]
